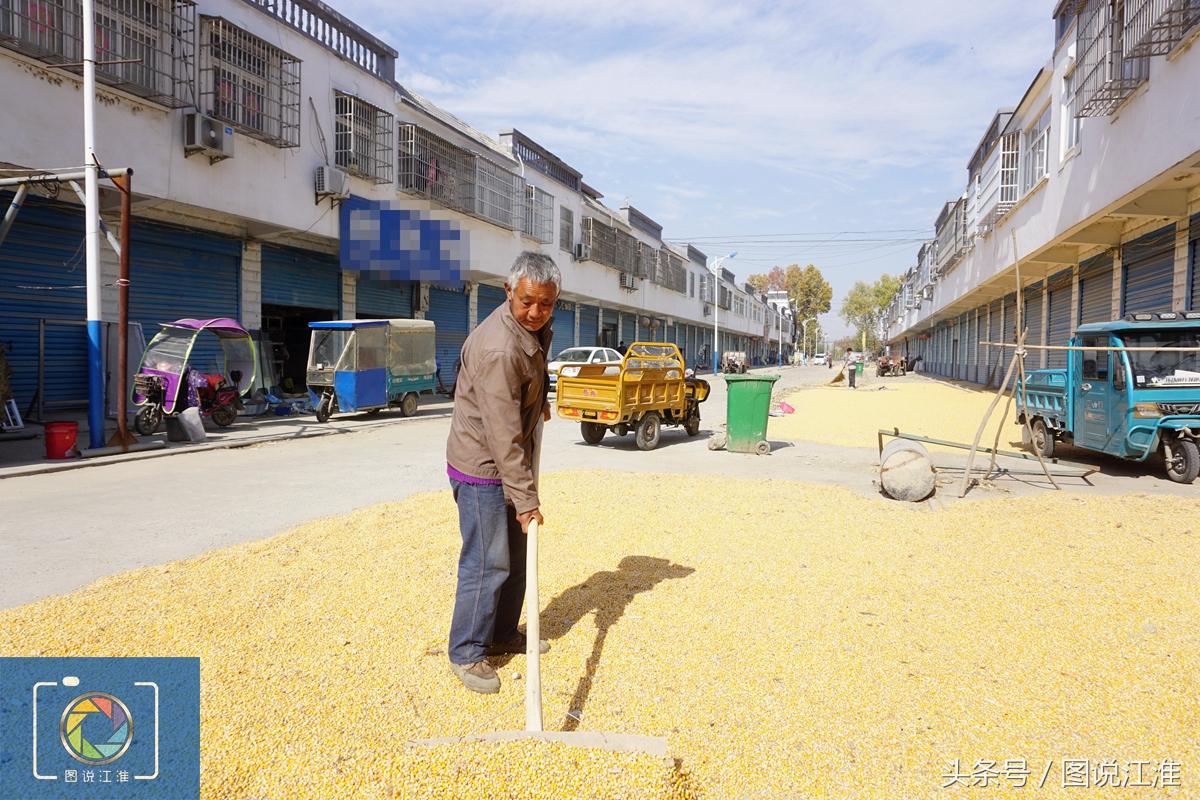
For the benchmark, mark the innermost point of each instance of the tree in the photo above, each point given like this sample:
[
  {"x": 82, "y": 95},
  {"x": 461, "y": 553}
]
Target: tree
[
  {"x": 775, "y": 279},
  {"x": 865, "y": 305}
]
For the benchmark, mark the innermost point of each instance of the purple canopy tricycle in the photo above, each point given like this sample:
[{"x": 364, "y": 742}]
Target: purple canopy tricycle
[{"x": 167, "y": 382}]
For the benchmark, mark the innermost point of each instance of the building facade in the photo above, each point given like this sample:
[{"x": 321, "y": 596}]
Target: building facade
[
  {"x": 1091, "y": 181},
  {"x": 254, "y": 129}
]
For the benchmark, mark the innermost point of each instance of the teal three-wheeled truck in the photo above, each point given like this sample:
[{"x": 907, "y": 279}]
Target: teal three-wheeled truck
[{"x": 1131, "y": 389}]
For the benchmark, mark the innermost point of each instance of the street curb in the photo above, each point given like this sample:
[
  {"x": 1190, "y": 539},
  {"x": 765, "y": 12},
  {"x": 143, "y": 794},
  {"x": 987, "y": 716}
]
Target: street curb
[{"x": 124, "y": 458}]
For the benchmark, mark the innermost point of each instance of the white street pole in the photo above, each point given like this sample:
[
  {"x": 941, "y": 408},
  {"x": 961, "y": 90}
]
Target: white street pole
[
  {"x": 717, "y": 307},
  {"x": 92, "y": 230}
]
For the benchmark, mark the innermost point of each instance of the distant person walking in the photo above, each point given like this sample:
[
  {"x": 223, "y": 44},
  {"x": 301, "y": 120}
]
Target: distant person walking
[{"x": 851, "y": 367}]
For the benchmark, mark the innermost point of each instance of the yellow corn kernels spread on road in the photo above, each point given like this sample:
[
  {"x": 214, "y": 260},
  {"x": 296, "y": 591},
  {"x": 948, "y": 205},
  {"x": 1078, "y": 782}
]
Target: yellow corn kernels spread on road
[
  {"x": 846, "y": 417},
  {"x": 790, "y": 641}
]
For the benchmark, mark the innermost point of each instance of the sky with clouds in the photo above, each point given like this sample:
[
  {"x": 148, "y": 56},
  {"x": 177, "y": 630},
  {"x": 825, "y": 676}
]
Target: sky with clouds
[{"x": 779, "y": 129}]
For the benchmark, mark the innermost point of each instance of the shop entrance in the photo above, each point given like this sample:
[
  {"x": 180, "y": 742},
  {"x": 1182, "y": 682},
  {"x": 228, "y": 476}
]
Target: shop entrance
[{"x": 288, "y": 333}]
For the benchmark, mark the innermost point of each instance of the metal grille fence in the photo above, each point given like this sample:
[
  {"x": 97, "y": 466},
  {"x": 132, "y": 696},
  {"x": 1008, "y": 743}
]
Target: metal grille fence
[
  {"x": 1108, "y": 77},
  {"x": 249, "y": 83},
  {"x": 362, "y": 138},
  {"x": 1154, "y": 27},
  {"x": 539, "y": 214},
  {"x": 154, "y": 40},
  {"x": 435, "y": 168},
  {"x": 672, "y": 275},
  {"x": 499, "y": 194}
]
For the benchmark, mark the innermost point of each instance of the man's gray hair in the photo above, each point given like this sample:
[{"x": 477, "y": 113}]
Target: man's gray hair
[{"x": 537, "y": 268}]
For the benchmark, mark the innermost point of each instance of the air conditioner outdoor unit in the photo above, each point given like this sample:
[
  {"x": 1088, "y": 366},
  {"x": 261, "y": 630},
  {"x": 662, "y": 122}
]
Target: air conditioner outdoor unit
[
  {"x": 207, "y": 136},
  {"x": 583, "y": 251},
  {"x": 927, "y": 292},
  {"x": 628, "y": 281},
  {"x": 707, "y": 310},
  {"x": 332, "y": 182}
]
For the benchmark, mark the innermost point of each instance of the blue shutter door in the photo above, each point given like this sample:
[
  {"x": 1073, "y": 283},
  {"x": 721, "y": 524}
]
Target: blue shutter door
[
  {"x": 1033, "y": 321},
  {"x": 1010, "y": 331},
  {"x": 1095, "y": 289},
  {"x": 992, "y": 354},
  {"x": 300, "y": 278},
  {"x": 1195, "y": 265},
  {"x": 972, "y": 326},
  {"x": 448, "y": 310},
  {"x": 588, "y": 325},
  {"x": 1059, "y": 329},
  {"x": 1149, "y": 270},
  {"x": 176, "y": 273},
  {"x": 564, "y": 326},
  {"x": 42, "y": 276},
  {"x": 628, "y": 328},
  {"x": 383, "y": 299},
  {"x": 489, "y": 298}
]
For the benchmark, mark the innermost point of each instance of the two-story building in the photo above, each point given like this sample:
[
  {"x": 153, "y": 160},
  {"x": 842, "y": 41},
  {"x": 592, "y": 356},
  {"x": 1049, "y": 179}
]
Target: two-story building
[
  {"x": 269, "y": 142},
  {"x": 1092, "y": 182}
]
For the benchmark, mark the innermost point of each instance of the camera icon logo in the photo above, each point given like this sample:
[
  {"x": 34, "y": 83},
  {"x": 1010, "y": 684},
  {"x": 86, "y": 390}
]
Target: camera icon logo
[{"x": 96, "y": 728}]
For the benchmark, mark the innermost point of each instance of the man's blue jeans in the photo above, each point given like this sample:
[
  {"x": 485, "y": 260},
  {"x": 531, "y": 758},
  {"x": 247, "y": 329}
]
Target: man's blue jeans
[{"x": 491, "y": 572}]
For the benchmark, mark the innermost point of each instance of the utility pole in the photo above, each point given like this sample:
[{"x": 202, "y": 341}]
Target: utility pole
[
  {"x": 717, "y": 308},
  {"x": 92, "y": 231}
]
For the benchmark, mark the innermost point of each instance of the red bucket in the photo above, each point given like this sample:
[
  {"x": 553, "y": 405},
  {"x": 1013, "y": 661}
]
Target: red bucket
[{"x": 60, "y": 438}]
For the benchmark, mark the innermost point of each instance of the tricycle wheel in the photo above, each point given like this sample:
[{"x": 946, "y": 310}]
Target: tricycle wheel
[
  {"x": 593, "y": 432},
  {"x": 1183, "y": 464},
  {"x": 224, "y": 416},
  {"x": 692, "y": 423},
  {"x": 763, "y": 448},
  {"x": 648, "y": 429},
  {"x": 408, "y": 406},
  {"x": 324, "y": 408},
  {"x": 1043, "y": 438},
  {"x": 148, "y": 419}
]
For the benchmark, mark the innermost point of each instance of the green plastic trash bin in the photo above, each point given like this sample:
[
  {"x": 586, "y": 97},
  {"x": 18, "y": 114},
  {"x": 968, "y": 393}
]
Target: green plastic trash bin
[
  {"x": 858, "y": 368},
  {"x": 748, "y": 405}
]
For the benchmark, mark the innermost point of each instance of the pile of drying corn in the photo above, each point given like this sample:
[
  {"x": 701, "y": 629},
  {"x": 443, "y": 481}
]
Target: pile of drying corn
[
  {"x": 850, "y": 417},
  {"x": 796, "y": 642}
]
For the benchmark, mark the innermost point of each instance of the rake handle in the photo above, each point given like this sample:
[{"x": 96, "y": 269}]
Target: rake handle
[{"x": 533, "y": 634}]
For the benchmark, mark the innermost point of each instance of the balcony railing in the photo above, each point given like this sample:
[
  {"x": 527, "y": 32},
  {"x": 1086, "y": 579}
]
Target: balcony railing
[
  {"x": 334, "y": 32},
  {"x": 436, "y": 169},
  {"x": 149, "y": 45},
  {"x": 1108, "y": 76},
  {"x": 610, "y": 246},
  {"x": 1154, "y": 27},
  {"x": 249, "y": 83}
]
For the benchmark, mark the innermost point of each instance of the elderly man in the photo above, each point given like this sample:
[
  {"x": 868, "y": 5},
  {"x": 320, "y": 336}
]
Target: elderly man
[{"x": 500, "y": 399}]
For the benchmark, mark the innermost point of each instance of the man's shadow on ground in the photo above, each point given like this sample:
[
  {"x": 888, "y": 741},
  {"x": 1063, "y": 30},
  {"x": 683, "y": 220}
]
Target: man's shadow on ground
[{"x": 608, "y": 594}]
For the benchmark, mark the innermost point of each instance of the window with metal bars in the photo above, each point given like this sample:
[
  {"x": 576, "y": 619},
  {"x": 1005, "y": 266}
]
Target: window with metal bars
[
  {"x": 566, "y": 228},
  {"x": 499, "y": 194},
  {"x": 1010, "y": 171},
  {"x": 1107, "y": 76},
  {"x": 144, "y": 47},
  {"x": 362, "y": 138},
  {"x": 249, "y": 83},
  {"x": 434, "y": 168},
  {"x": 1156, "y": 27},
  {"x": 539, "y": 214},
  {"x": 1037, "y": 145}
]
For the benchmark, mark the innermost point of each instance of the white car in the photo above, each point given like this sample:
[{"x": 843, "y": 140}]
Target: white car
[
  {"x": 580, "y": 355},
  {"x": 819, "y": 360}
]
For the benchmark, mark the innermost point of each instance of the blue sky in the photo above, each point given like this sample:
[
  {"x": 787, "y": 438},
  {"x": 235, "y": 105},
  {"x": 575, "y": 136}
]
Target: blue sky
[{"x": 763, "y": 127}]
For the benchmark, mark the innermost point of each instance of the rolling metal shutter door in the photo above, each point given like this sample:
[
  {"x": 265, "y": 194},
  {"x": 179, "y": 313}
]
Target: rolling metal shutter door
[
  {"x": 448, "y": 311},
  {"x": 964, "y": 347},
  {"x": 1095, "y": 289},
  {"x": 387, "y": 299},
  {"x": 1058, "y": 331},
  {"x": 564, "y": 326},
  {"x": 1009, "y": 332},
  {"x": 589, "y": 325},
  {"x": 489, "y": 298},
  {"x": 993, "y": 335},
  {"x": 972, "y": 338},
  {"x": 44, "y": 248},
  {"x": 628, "y": 328},
  {"x": 1033, "y": 320},
  {"x": 175, "y": 273},
  {"x": 610, "y": 318},
  {"x": 1149, "y": 270},
  {"x": 1194, "y": 264},
  {"x": 300, "y": 278}
]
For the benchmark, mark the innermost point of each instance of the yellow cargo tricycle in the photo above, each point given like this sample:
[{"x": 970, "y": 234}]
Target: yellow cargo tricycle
[{"x": 649, "y": 389}]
